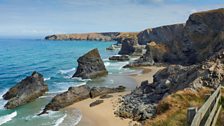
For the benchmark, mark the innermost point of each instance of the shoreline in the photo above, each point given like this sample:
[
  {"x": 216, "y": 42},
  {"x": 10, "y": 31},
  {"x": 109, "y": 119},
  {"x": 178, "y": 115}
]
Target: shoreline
[{"x": 103, "y": 114}]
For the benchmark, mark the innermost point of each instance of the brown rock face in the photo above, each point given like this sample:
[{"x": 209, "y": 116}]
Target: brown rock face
[
  {"x": 90, "y": 65},
  {"x": 25, "y": 91}
]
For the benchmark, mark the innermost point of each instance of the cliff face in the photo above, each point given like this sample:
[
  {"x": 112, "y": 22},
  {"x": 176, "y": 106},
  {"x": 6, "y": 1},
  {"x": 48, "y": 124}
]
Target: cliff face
[
  {"x": 204, "y": 34},
  {"x": 162, "y": 34},
  {"x": 200, "y": 38}
]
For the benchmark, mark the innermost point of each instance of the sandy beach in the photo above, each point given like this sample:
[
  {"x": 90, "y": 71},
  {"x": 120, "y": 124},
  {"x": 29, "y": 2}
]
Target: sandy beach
[
  {"x": 103, "y": 114},
  {"x": 147, "y": 74}
]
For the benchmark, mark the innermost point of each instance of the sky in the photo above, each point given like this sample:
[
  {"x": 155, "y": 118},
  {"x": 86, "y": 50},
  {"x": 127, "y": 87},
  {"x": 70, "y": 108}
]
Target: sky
[{"x": 43, "y": 17}]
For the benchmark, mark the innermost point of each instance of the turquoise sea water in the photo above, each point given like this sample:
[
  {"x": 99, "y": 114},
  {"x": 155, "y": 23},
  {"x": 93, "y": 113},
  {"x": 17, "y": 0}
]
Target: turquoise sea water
[{"x": 56, "y": 60}]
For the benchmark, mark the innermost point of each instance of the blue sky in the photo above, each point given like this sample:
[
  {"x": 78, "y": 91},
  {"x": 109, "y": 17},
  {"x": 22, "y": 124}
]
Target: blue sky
[{"x": 43, "y": 17}]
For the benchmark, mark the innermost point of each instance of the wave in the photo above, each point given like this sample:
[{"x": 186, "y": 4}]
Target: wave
[
  {"x": 60, "y": 120},
  {"x": 80, "y": 79},
  {"x": 6, "y": 118},
  {"x": 67, "y": 71},
  {"x": 107, "y": 64},
  {"x": 46, "y": 79}
]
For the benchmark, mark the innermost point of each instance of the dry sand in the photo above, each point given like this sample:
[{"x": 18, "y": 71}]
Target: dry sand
[{"x": 103, "y": 114}]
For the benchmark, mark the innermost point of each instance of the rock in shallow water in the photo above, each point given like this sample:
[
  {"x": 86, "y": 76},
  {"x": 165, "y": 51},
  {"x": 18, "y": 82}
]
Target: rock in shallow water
[
  {"x": 119, "y": 58},
  {"x": 26, "y": 91},
  {"x": 90, "y": 65}
]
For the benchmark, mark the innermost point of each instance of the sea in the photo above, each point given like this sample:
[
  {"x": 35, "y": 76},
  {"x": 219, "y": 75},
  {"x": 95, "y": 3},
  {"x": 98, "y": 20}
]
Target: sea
[{"x": 57, "y": 62}]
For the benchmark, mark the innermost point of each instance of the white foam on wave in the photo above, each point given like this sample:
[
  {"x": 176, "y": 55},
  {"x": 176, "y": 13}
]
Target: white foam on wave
[
  {"x": 45, "y": 79},
  {"x": 2, "y": 101},
  {"x": 106, "y": 64},
  {"x": 67, "y": 71},
  {"x": 80, "y": 79},
  {"x": 6, "y": 118},
  {"x": 60, "y": 120}
]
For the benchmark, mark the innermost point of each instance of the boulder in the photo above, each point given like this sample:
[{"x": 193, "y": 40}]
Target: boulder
[
  {"x": 74, "y": 94},
  {"x": 119, "y": 58},
  {"x": 26, "y": 91},
  {"x": 98, "y": 91},
  {"x": 97, "y": 102},
  {"x": 90, "y": 65}
]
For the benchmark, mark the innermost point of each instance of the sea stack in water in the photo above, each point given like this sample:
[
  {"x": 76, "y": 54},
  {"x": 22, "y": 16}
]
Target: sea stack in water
[
  {"x": 26, "y": 91},
  {"x": 90, "y": 65}
]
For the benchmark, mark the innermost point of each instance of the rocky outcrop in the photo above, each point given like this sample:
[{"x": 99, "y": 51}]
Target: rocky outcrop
[
  {"x": 76, "y": 94},
  {"x": 107, "y": 36},
  {"x": 98, "y": 91},
  {"x": 25, "y": 91},
  {"x": 163, "y": 34},
  {"x": 129, "y": 43},
  {"x": 142, "y": 102},
  {"x": 119, "y": 58},
  {"x": 195, "y": 42},
  {"x": 204, "y": 34},
  {"x": 90, "y": 65}
]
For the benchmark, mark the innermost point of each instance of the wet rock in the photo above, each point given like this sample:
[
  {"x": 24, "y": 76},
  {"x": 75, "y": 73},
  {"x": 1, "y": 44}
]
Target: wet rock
[
  {"x": 90, "y": 65},
  {"x": 26, "y": 91},
  {"x": 106, "y": 96},
  {"x": 97, "y": 102},
  {"x": 74, "y": 94},
  {"x": 98, "y": 91},
  {"x": 119, "y": 58}
]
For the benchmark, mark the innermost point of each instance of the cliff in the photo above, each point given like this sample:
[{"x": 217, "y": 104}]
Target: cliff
[
  {"x": 105, "y": 36},
  {"x": 194, "y": 42}
]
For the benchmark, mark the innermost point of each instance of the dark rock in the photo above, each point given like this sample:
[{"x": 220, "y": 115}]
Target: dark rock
[
  {"x": 74, "y": 94},
  {"x": 90, "y": 65},
  {"x": 142, "y": 102},
  {"x": 98, "y": 91},
  {"x": 97, "y": 102},
  {"x": 106, "y": 96},
  {"x": 120, "y": 58},
  {"x": 26, "y": 91}
]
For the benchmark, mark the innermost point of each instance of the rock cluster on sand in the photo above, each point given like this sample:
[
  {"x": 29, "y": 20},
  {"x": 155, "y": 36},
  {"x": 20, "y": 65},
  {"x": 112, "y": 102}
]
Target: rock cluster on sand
[
  {"x": 25, "y": 91},
  {"x": 141, "y": 103},
  {"x": 90, "y": 65},
  {"x": 119, "y": 58},
  {"x": 76, "y": 94}
]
